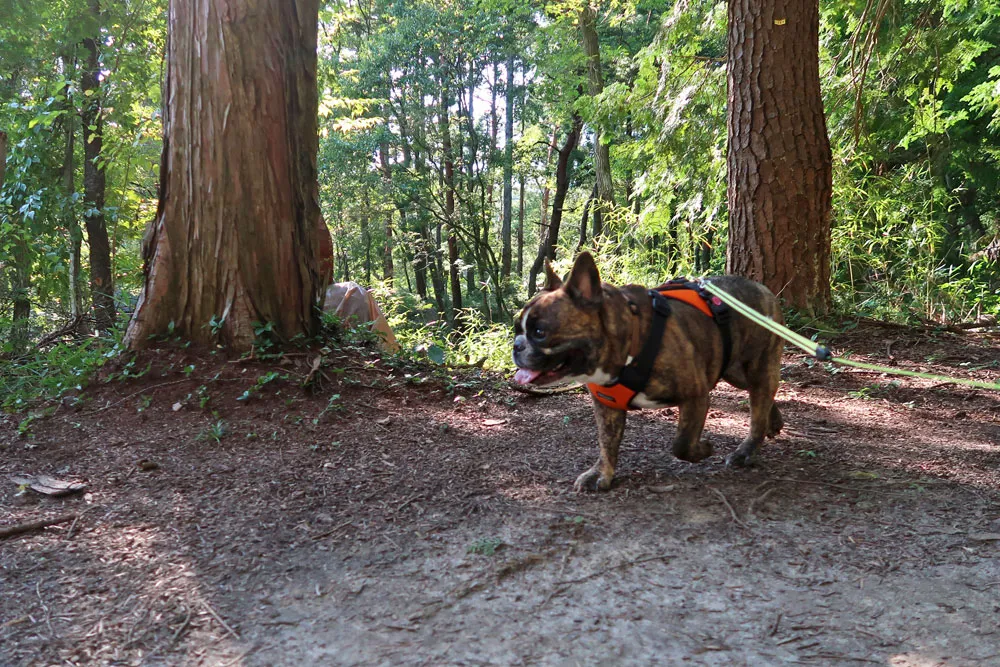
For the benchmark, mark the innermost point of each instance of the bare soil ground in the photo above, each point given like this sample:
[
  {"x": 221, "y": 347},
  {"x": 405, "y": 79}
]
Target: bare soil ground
[{"x": 422, "y": 518}]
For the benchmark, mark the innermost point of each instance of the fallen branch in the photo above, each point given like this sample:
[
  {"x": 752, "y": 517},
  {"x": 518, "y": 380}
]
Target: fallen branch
[
  {"x": 759, "y": 499},
  {"x": 20, "y": 528},
  {"x": 541, "y": 391},
  {"x": 628, "y": 563},
  {"x": 725, "y": 501},
  {"x": 211, "y": 611}
]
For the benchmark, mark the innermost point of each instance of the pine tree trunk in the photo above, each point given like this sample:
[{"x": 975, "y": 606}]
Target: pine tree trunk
[
  {"x": 547, "y": 243},
  {"x": 779, "y": 159},
  {"x": 234, "y": 239},
  {"x": 508, "y": 170},
  {"x": 94, "y": 182},
  {"x": 595, "y": 78}
]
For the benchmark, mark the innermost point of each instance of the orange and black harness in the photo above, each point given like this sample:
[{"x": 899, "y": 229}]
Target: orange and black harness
[{"x": 633, "y": 377}]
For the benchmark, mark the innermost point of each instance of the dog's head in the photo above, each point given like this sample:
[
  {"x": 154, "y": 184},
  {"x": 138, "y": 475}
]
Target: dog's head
[{"x": 558, "y": 333}]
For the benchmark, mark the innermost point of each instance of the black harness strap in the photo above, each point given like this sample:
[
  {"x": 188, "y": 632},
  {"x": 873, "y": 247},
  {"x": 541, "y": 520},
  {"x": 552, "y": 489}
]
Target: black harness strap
[{"x": 635, "y": 375}]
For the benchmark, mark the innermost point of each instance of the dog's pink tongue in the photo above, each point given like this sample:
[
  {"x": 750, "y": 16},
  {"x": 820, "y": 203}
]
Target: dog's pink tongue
[{"x": 524, "y": 376}]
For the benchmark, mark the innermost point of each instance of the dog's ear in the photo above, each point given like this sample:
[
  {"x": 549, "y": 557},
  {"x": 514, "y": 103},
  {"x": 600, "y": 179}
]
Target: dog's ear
[
  {"x": 584, "y": 282},
  {"x": 552, "y": 279}
]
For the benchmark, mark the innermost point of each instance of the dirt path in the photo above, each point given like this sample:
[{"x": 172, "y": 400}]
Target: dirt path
[{"x": 427, "y": 520}]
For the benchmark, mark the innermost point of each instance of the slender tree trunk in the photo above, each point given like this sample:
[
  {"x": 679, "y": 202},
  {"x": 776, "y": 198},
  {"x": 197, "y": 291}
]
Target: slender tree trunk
[
  {"x": 779, "y": 159},
  {"x": 543, "y": 225},
  {"x": 547, "y": 243},
  {"x": 508, "y": 170},
  {"x": 494, "y": 131},
  {"x": 583, "y": 219},
  {"x": 21, "y": 277},
  {"x": 94, "y": 183},
  {"x": 449, "y": 208},
  {"x": 520, "y": 227},
  {"x": 73, "y": 231},
  {"x": 387, "y": 266},
  {"x": 366, "y": 241},
  {"x": 234, "y": 239},
  {"x": 595, "y": 78}
]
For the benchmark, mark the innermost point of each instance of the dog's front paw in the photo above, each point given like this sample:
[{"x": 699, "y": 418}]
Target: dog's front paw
[{"x": 593, "y": 480}]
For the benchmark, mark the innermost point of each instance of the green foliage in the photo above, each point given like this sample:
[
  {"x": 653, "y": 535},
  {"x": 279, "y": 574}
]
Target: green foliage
[
  {"x": 51, "y": 374},
  {"x": 484, "y": 546}
]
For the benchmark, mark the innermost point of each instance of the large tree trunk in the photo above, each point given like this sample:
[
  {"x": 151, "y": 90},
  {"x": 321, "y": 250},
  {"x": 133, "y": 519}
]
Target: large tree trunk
[
  {"x": 508, "y": 171},
  {"x": 234, "y": 239},
  {"x": 779, "y": 159},
  {"x": 595, "y": 78},
  {"x": 550, "y": 236},
  {"x": 94, "y": 184}
]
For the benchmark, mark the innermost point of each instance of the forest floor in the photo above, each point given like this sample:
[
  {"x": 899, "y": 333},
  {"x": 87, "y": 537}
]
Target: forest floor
[{"x": 420, "y": 518}]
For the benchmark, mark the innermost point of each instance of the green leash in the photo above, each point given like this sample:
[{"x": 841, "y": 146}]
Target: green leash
[{"x": 822, "y": 352}]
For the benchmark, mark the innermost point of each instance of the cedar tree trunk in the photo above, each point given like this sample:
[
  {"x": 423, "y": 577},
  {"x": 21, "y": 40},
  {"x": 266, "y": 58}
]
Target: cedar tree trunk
[
  {"x": 779, "y": 159},
  {"x": 94, "y": 183},
  {"x": 595, "y": 80},
  {"x": 235, "y": 236}
]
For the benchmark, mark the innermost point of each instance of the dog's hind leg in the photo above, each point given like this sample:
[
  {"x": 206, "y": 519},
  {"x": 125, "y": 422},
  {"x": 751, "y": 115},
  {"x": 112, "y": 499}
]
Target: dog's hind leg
[
  {"x": 765, "y": 420},
  {"x": 688, "y": 445},
  {"x": 610, "y": 429}
]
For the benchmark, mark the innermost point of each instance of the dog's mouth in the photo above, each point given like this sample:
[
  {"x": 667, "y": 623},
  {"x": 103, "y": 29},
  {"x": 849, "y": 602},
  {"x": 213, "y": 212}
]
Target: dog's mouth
[
  {"x": 567, "y": 366},
  {"x": 527, "y": 376}
]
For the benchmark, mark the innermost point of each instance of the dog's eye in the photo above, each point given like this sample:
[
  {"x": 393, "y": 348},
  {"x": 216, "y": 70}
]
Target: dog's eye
[{"x": 539, "y": 333}]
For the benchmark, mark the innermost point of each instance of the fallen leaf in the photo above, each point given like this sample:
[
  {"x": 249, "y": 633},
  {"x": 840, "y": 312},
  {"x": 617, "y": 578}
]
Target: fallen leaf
[
  {"x": 494, "y": 422},
  {"x": 50, "y": 486}
]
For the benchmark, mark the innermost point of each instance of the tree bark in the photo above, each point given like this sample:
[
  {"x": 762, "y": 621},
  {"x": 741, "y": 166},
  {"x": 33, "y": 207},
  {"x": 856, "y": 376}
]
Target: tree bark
[
  {"x": 508, "y": 171},
  {"x": 234, "y": 238},
  {"x": 595, "y": 79},
  {"x": 779, "y": 159},
  {"x": 550, "y": 236},
  {"x": 94, "y": 182}
]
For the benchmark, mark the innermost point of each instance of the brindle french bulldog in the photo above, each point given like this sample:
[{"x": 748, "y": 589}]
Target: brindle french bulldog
[{"x": 582, "y": 331}]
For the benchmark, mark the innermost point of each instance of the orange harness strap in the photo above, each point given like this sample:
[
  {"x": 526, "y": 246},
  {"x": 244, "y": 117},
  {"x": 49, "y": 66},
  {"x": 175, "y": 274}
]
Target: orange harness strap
[{"x": 617, "y": 395}]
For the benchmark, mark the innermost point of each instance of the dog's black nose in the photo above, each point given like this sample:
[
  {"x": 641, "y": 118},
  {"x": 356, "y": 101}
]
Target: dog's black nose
[{"x": 519, "y": 344}]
